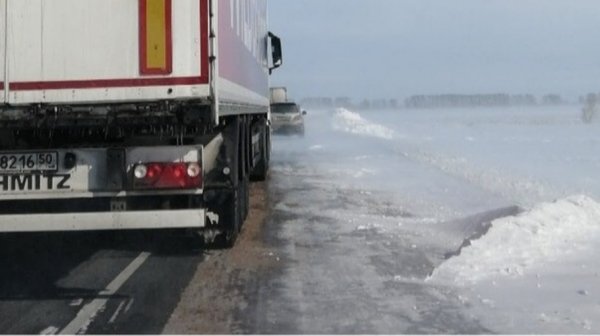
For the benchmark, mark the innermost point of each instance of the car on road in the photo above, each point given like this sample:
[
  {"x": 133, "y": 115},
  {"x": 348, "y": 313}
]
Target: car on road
[{"x": 287, "y": 118}]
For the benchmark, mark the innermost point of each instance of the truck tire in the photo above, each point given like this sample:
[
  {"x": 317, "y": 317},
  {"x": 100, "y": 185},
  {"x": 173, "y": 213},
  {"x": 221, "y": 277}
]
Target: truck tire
[
  {"x": 246, "y": 171},
  {"x": 231, "y": 207},
  {"x": 245, "y": 195},
  {"x": 261, "y": 170},
  {"x": 268, "y": 154}
]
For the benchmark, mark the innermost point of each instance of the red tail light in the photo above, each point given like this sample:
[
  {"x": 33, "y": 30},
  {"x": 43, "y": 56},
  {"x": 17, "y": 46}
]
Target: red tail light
[{"x": 167, "y": 176}]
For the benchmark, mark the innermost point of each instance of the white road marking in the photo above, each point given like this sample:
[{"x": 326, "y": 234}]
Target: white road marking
[
  {"x": 76, "y": 302},
  {"x": 49, "y": 331},
  {"x": 129, "y": 305},
  {"x": 113, "y": 318},
  {"x": 89, "y": 311}
]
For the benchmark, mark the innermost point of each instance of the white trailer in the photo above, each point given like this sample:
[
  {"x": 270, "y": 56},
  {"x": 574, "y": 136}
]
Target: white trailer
[{"x": 133, "y": 114}]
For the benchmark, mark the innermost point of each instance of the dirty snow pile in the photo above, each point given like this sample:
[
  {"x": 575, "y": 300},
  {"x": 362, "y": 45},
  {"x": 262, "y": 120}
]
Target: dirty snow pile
[
  {"x": 352, "y": 122},
  {"x": 515, "y": 245}
]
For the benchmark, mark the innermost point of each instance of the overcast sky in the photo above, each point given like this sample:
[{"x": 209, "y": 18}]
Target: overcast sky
[{"x": 395, "y": 48}]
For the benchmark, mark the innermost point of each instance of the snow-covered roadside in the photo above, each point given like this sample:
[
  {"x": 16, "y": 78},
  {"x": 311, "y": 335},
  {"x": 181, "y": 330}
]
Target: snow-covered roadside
[
  {"x": 514, "y": 245},
  {"x": 534, "y": 273},
  {"x": 527, "y": 155}
]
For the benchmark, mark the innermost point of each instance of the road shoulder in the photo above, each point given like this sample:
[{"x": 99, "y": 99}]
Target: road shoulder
[{"x": 219, "y": 288}]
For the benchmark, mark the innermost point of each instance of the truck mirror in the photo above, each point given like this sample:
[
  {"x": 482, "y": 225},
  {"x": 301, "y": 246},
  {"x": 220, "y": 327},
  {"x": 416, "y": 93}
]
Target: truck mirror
[
  {"x": 277, "y": 53},
  {"x": 304, "y": 113}
]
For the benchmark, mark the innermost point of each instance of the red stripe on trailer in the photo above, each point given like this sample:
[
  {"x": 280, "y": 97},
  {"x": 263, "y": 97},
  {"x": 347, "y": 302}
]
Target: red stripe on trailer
[
  {"x": 203, "y": 78},
  {"x": 106, "y": 83},
  {"x": 1, "y": 86}
]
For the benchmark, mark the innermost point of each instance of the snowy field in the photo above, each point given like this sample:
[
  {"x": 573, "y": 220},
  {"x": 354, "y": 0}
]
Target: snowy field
[{"x": 535, "y": 272}]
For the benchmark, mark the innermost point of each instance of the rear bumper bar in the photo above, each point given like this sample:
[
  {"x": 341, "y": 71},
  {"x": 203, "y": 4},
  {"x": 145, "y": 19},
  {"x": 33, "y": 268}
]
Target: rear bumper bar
[{"x": 98, "y": 221}]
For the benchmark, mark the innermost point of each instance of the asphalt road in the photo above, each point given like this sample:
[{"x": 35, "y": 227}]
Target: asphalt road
[
  {"x": 315, "y": 256},
  {"x": 289, "y": 273},
  {"x": 92, "y": 283}
]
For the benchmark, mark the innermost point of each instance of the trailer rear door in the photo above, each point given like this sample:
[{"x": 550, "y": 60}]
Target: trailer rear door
[
  {"x": 72, "y": 51},
  {"x": 2, "y": 48}
]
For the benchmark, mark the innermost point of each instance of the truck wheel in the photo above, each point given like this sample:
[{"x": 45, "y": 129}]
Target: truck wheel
[
  {"x": 231, "y": 207},
  {"x": 261, "y": 170},
  {"x": 246, "y": 172},
  {"x": 268, "y": 153},
  {"x": 244, "y": 200}
]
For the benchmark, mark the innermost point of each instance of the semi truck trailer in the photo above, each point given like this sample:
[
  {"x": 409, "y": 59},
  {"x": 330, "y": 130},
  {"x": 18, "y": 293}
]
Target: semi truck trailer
[{"x": 133, "y": 114}]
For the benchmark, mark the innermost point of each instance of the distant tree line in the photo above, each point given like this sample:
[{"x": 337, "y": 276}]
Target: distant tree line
[
  {"x": 590, "y": 98},
  {"x": 435, "y": 101},
  {"x": 480, "y": 100},
  {"x": 347, "y": 102}
]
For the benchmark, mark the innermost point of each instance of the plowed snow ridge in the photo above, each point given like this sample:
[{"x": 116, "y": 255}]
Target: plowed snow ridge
[
  {"x": 352, "y": 122},
  {"x": 514, "y": 245}
]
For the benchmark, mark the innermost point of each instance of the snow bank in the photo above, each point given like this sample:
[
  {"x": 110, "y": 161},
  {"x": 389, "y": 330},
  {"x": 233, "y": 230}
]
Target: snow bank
[
  {"x": 352, "y": 122},
  {"x": 515, "y": 244}
]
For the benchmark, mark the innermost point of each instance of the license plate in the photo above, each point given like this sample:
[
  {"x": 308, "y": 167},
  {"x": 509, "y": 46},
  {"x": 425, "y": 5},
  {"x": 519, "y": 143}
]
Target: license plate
[{"x": 28, "y": 162}]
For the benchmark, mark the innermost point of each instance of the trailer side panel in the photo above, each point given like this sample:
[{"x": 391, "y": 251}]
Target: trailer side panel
[
  {"x": 106, "y": 50},
  {"x": 242, "y": 55}
]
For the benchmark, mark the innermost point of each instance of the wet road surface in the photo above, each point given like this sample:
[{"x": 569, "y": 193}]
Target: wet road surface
[{"x": 320, "y": 253}]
